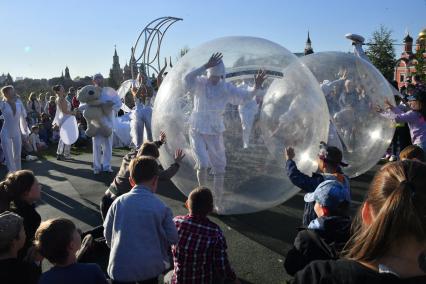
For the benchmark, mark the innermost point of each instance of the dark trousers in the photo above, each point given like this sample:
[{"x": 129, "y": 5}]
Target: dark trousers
[
  {"x": 147, "y": 281},
  {"x": 106, "y": 202},
  {"x": 401, "y": 138}
]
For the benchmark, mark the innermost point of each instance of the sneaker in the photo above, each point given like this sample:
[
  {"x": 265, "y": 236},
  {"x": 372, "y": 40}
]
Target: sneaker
[
  {"x": 30, "y": 158},
  {"x": 86, "y": 243},
  {"x": 393, "y": 158},
  {"x": 96, "y": 172},
  {"x": 60, "y": 157},
  {"x": 109, "y": 170}
]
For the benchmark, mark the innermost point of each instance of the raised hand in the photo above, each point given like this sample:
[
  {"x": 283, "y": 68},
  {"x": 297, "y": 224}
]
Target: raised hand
[
  {"x": 134, "y": 90},
  {"x": 259, "y": 78},
  {"x": 388, "y": 104},
  {"x": 179, "y": 155},
  {"x": 379, "y": 109},
  {"x": 214, "y": 60},
  {"x": 289, "y": 153},
  {"x": 343, "y": 74}
]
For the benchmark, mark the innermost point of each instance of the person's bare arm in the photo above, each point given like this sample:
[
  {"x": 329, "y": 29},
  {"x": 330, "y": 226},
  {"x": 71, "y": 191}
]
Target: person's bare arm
[{"x": 62, "y": 104}]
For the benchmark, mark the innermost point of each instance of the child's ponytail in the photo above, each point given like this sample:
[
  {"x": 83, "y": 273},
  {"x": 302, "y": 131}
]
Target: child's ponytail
[{"x": 396, "y": 197}]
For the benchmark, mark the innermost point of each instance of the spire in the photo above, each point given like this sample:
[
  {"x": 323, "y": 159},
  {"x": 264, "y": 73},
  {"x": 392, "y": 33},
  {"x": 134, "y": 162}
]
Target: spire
[
  {"x": 67, "y": 72},
  {"x": 308, "y": 46},
  {"x": 309, "y": 39},
  {"x": 408, "y": 44},
  {"x": 407, "y": 37},
  {"x": 115, "y": 50}
]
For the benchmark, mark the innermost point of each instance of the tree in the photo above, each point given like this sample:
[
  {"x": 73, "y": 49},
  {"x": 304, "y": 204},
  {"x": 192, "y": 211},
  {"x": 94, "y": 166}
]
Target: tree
[
  {"x": 9, "y": 80},
  {"x": 421, "y": 63},
  {"x": 381, "y": 51}
]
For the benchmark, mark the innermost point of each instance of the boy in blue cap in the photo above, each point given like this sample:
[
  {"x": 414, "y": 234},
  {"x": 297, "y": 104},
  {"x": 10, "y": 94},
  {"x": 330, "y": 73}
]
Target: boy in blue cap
[
  {"x": 326, "y": 235},
  {"x": 329, "y": 168}
]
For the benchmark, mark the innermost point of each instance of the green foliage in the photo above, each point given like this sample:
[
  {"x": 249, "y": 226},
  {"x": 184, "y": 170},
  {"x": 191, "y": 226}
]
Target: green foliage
[
  {"x": 421, "y": 63},
  {"x": 26, "y": 86},
  {"x": 381, "y": 51}
]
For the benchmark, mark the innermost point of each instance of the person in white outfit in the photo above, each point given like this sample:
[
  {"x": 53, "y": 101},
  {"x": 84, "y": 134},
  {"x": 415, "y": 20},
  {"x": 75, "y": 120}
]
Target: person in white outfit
[
  {"x": 63, "y": 111},
  {"x": 211, "y": 95},
  {"x": 248, "y": 112},
  {"x": 141, "y": 115},
  {"x": 14, "y": 125},
  {"x": 102, "y": 146}
]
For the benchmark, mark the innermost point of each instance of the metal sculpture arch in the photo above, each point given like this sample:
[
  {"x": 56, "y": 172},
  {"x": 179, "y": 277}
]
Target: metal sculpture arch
[{"x": 148, "y": 46}]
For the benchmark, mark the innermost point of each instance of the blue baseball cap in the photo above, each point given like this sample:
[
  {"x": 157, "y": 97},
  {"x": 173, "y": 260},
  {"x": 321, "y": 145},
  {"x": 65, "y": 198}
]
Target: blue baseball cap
[{"x": 329, "y": 193}]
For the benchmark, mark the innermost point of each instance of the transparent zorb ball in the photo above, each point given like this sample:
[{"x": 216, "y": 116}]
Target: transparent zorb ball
[
  {"x": 254, "y": 177},
  {"x": 353, "y": 87}
]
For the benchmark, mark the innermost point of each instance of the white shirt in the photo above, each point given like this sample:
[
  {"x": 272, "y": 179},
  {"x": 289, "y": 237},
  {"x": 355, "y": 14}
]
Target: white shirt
[
  {"x": 210, "y": 101},
  {"x": 14, "y": 124}
]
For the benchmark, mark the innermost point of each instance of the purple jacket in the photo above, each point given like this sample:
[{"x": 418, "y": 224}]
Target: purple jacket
[{"x": 415, "y": 121}]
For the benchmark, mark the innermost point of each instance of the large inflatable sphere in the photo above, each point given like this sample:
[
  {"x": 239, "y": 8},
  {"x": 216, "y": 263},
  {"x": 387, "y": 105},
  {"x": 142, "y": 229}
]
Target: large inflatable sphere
[
  {"x": 254, "y": 174},
  {"x": 353, "y": 88}
]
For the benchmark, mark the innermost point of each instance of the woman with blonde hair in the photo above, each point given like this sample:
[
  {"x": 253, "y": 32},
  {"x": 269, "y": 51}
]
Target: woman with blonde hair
[
  {"x": 42, "y": 98},
  {"x": 14, "y": 126},
  {"x": 389, "y": 240}
]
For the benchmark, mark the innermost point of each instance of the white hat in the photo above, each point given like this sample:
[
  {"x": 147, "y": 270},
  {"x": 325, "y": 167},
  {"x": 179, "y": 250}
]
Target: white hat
[{"x": 218, "y": 70}]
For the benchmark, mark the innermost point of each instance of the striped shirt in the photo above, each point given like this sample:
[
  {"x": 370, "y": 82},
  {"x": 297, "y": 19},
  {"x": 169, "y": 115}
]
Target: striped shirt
[{"x": 200, "y": 254}]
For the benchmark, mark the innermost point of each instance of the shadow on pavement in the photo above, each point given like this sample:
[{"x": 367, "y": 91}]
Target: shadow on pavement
[{"x": 70, "y": 206}]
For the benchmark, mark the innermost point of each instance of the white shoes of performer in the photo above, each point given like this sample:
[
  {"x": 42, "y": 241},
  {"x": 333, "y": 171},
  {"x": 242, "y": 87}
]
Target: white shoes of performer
[{"x": 217, "y": 190}]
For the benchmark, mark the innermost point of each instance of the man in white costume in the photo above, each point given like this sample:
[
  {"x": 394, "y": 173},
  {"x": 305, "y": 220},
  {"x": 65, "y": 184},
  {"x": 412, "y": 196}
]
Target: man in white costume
[
  {"x": 141, "y": 115},
  {"x": 248, "y": 112},
  {"x": 14, "y": 128},
  {"x": 211, "y": 95},
  {"x": 102, "y": 146}
]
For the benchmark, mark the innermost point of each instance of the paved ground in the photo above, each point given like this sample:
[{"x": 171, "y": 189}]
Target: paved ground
[{"x": 257, "y": 243}]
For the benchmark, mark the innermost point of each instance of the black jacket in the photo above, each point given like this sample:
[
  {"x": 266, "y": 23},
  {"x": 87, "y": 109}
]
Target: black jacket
[
  {"x": 318, "y": 244},
  {"x": 32, "y": 221},
  {"x": 348, "y": 272}
]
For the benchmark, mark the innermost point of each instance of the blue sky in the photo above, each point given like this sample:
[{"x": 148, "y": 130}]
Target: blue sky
[{"x": 41, "y": 37}]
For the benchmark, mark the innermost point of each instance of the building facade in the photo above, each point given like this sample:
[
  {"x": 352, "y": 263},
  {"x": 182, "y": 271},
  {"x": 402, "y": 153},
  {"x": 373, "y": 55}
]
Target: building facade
[{"x": 406, "y": 64}]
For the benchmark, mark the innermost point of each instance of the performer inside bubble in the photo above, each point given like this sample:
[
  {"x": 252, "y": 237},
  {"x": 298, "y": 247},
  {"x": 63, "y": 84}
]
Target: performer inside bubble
[{"x": 211, "y": 94}]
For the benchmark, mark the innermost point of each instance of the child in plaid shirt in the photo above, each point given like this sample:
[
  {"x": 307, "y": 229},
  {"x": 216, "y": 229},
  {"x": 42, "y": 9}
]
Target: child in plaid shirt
[{"x": 200, "y": 254}]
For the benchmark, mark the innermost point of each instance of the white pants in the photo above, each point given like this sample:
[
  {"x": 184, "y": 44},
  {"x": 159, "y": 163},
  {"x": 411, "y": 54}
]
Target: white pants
[
  {"x": 247, "y": 120},
  {"x": 209, "y": 150},
  {"x": 141, "y": 120},
  {"x": 147, "y": 113},
  {"x": 12, "y": 151},
  {"x": 102, "y": 152},
  {"x": 63, "y": 149}
]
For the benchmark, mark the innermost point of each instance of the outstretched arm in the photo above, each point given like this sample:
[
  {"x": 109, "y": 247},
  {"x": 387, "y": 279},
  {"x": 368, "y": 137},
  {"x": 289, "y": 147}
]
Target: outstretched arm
[
  {"x": 214, "y": 60},
  {"x": 241, "y": 95}
]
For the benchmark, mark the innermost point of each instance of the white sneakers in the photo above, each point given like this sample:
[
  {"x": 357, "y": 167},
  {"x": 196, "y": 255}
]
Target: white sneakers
[
  {"x": 393, "y": 158},
  {"x": 31, "y": 158}
]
